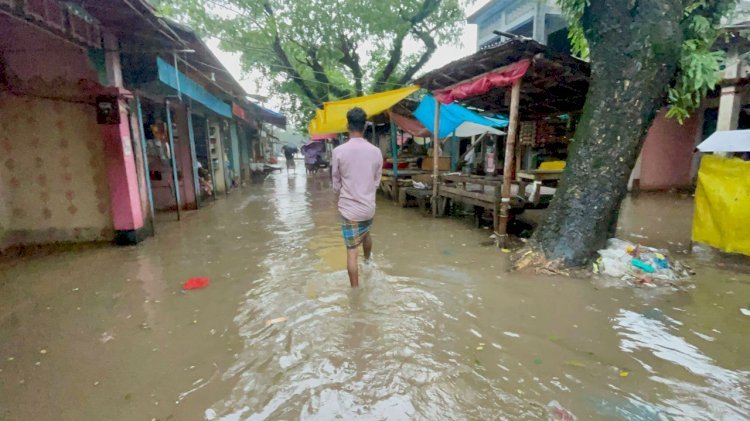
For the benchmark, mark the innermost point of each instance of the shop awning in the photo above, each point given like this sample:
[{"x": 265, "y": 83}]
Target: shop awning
[
  {"x": 272, "y": 117},
  {"x": 178, "y": 80},
  {"x": 504, "y": 76},
  {"x": 409, "y": 125},
  {"x": 469, "y": 129},
  {"x": 332, "y": 118},
  {"x": 451, "y": 116},
  {"x": 727, "y": 141},
  {"x": 554, "y": 83}
]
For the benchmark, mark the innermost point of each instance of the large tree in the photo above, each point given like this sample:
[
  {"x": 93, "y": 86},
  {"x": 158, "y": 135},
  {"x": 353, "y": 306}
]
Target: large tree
[
  {"x": 320, "y": 50},
  {"x": 644, "y": 54}
]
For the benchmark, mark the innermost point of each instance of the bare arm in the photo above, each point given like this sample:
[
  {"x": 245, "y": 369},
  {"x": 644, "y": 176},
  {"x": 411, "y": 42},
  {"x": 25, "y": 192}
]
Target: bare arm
[
  {"x": 335, "y": 174},
  {"x": 379, "y": 171}
]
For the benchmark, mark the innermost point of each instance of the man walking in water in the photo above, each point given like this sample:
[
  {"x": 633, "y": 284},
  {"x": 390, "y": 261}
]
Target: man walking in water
[{"x": 356, "y": 169}]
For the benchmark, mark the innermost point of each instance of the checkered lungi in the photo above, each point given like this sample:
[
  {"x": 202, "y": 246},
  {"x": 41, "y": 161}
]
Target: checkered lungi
[{"x": 354, "y": 232}]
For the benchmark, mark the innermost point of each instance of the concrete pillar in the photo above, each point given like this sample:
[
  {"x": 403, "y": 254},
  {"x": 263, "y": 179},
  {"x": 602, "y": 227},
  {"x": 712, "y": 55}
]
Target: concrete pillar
[
  {"x": 184, "y": 153},
  {"x": 234, "y": 149},
  {"x": 112, "y": 57},
  {"x": 729, "y": 104},
  {"x": 539, "y": 31},
  {"x": 122, "y": 176}
]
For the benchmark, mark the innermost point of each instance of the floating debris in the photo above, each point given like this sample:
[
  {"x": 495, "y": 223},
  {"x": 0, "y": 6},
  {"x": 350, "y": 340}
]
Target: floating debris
[
  {"x": 639, "y": 265},
  {"x": 195, "y": 283},
  {"x": 276, "y": 320}
]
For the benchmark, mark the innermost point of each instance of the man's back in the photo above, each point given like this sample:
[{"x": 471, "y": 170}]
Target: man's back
[{"x": 356, "y": 169}]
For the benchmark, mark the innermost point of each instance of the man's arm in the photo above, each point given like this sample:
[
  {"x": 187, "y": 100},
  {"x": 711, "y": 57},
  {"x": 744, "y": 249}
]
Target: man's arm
[
  {"x": 335, "y": 174},
  {"x": 379, "y": 171}
]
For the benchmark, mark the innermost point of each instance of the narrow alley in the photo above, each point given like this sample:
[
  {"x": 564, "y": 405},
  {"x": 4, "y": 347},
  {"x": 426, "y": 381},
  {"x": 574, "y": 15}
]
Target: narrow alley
[{"x": 439, "y": 330}]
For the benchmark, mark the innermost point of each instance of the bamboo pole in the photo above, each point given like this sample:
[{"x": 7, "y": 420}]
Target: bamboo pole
[
  {"x": 454, "y": 152},
  {"x": 501, "y": 223},
  {"x": 435, "y": 153}
]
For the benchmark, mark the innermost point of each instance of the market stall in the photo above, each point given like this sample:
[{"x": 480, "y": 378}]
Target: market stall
[{"x": 522, "y": 79}]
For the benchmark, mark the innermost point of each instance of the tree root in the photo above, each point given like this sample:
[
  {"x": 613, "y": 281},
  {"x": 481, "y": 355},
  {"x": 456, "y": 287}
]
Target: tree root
[{"x": 532, "y": 258}]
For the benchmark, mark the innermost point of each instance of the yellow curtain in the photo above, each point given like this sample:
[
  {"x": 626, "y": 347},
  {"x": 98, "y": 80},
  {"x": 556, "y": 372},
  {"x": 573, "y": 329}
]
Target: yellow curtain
[
  {"x": 722, "y": 204},
  {"x": 332, "y": 118}
]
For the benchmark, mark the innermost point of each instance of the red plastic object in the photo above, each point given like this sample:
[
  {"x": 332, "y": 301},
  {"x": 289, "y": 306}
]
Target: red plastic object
[{"x": 195, "y": 283}]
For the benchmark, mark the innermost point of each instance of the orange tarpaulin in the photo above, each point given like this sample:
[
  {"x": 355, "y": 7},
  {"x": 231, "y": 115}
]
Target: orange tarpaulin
[{"x": 409, "y": 125}]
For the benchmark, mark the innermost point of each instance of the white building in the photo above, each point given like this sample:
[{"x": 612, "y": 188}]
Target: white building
[{"x": 540, "y": 20}]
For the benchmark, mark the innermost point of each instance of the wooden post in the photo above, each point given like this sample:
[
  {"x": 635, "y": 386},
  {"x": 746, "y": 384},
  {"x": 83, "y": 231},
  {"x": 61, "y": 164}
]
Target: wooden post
[
  {"x": 394, "y": 155},
  {"x": 210, "y": 159},
  {"x": 144, "y": 151},
  {"x": 454, "y": 152},
  {"x": 435, "y": 153},
  {"x": 501, "y": 223},
  {"x": 173, "y": 160},
  {"x": 193, "y": 157}
]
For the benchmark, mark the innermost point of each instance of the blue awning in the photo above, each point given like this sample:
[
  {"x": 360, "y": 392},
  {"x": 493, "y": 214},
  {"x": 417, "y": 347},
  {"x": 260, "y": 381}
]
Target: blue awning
[
  {"x": 187, "y": 86},
  {"x": 451, "y": 116}
]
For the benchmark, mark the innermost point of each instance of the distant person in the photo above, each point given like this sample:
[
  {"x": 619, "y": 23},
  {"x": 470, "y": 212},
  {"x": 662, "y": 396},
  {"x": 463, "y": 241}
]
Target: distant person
[
  {"x": 289, "y": 152},
  {"x": 356, "y": 167}
]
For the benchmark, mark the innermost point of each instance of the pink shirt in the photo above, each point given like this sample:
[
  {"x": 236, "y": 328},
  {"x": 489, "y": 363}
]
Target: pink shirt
[{"x": 356, "y": 168}]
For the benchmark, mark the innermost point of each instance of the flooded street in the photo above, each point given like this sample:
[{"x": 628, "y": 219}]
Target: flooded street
[{"x": 438, "y": 330}]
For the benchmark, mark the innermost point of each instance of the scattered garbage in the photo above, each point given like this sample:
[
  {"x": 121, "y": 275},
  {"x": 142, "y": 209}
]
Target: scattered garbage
[
  {"x": 639, "y": 265},
  {"x": 195, "y": 283},
  {"x": 420, "y": 186},
  {"x": 558, "y": 413},
  {"x": 745, "y": 311}
]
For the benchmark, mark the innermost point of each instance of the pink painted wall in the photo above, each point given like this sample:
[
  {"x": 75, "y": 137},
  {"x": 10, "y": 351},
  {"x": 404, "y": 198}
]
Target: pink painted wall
[
  {"x": 667, "y": 155},
  {"x": 54, "y": 184},
  {"x": 20, "y": 45},
  {"x": 122, "y": 176},
  {"x": 184, "y": 158},
  {"x": 69, "y": 179},
  {"x": 54, "y": 181}
]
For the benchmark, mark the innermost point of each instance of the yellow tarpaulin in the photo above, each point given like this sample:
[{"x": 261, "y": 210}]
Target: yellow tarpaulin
[
  {"x": 332, "y": 118},
  {"x": 722, "y": 204}
]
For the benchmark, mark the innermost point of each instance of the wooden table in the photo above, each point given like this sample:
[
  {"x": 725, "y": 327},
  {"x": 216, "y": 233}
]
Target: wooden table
[
  {"x": 391, "y": 185},
  {"x": 537, "y": 177},
  {"x": 477, "y": 191},
  {"x": 422, "y": 197},
  {"x": 540, "y": 175},
  {"x": 406, "y": 173}
]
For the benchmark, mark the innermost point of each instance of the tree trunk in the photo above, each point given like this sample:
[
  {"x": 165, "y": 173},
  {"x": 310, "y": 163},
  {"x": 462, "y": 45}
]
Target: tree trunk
[{"x": 635, "y": 48}]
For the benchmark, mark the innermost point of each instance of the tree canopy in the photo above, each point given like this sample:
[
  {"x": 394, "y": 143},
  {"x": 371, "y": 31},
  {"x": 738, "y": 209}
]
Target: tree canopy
[
  {"x": 643, "y": 53},
  {"x": 321, "y": 50},
  {"x": 699, "y": 65}
]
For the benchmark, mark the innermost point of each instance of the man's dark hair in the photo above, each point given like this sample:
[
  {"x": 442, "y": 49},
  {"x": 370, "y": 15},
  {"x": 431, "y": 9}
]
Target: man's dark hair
[{"x": 356, "y": 120}]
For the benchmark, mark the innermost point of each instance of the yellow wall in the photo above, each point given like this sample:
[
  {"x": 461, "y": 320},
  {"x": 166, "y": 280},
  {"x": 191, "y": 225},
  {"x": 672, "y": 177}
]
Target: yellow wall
[{"x": 54, "y": 185}]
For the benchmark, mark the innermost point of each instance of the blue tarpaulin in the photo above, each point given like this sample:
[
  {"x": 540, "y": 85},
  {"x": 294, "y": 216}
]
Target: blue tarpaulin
[
  {"x": 451, "y": 116},
  {"x": 187, "y": 86}
]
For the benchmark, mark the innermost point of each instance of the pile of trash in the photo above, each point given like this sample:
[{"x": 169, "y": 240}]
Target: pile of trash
[{"x": 639, "y": 265}]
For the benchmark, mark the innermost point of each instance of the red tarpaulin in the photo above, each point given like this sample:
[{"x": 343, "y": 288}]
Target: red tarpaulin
[
  {"x": 502, "y": 77},
  {"x": 409, "y": 125}
]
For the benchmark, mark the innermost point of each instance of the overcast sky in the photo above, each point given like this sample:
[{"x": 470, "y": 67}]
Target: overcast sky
[{"x": 443, "y": 55}]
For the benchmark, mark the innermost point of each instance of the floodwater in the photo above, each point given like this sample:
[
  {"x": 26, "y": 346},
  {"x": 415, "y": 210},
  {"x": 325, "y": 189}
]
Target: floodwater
[{"x": 438, "y": 330}]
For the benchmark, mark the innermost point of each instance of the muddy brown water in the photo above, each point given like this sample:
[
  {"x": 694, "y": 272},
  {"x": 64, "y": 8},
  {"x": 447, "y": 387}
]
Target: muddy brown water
[{"x": 439, "y": 329}]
